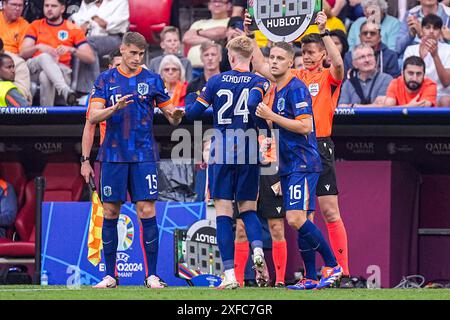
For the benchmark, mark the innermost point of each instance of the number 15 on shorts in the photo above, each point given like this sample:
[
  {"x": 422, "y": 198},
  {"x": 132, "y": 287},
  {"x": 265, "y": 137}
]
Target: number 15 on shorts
[{"x": 152, "y": 183}]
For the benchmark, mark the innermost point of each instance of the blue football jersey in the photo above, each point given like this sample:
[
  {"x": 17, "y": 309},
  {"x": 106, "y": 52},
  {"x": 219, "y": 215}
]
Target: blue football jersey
[
  {"x": 298, "y": 153},
  {"x": 129, "y": 132},
  {"x": 228, "y": 93}
]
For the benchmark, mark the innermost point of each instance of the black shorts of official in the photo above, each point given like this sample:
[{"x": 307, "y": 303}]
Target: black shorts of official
[
  {"x": 327, "y": 184},
  {"x": 270, "y": 205}
]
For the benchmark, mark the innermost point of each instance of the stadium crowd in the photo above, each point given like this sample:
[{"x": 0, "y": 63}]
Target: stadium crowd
[{"x": 33, "y": 38}]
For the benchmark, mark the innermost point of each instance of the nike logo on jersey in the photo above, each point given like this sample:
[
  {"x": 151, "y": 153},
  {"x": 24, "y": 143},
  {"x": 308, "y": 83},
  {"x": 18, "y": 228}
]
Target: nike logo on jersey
[
  {"x": 153, "y": 192},
  {"x": 112, "y": 88},
  {"x": 292, "y": 203},
  {"x": 150, "y": 242}
]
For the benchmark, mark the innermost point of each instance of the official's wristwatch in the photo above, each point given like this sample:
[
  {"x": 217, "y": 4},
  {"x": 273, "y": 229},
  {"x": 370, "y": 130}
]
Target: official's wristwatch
[
  {"x": 83, "y": 159},
  {"x": 325, "y": 33}
]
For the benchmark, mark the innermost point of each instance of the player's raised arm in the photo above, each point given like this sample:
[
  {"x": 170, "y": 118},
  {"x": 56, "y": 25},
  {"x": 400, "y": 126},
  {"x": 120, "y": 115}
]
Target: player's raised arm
[
  {"x": 258, "y": 62},
  {"x": 337, "y": 64}
]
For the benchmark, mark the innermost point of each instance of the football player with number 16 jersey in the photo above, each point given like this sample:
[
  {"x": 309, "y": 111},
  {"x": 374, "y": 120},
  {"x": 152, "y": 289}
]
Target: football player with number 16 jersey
[{"x": 300, "y": 163}]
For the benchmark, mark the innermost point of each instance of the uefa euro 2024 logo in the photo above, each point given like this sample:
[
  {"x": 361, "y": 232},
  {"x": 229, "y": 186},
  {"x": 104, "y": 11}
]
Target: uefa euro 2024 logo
[{"x": 125, "y": 229}]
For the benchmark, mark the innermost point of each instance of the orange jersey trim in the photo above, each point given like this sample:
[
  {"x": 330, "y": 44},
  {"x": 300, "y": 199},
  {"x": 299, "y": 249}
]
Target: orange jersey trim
[
  {"x": 260, "y": 90},
  {"x": 203, "y": 101},
  {"x": 241, "y": 70},
  {"x": 303, "y": 116},
  {"x": 279, "y": 88},
  {"x": 164, "y": 104},
  {"x": 101, "y": 100},
  {"x": 129, "y": 75}
]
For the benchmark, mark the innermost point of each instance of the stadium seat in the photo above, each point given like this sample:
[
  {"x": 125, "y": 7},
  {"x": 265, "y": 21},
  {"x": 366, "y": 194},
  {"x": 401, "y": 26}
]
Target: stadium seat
[
  {"x": 63, "y": 182},
  {"x": 24, "y": 225},
  {"x": 14, "y": 173},
  {"x": 147, "y": 24}
]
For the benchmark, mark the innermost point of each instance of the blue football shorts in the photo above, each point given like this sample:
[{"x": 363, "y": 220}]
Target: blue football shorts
[
  {"x": 139, "y": 178},
  {"x": 299, "y": 190},
  {"x": 239, "y": 182}
]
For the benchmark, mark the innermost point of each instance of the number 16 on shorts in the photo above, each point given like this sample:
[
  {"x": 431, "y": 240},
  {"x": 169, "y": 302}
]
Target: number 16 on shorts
[{"x": 299, "y": 191}]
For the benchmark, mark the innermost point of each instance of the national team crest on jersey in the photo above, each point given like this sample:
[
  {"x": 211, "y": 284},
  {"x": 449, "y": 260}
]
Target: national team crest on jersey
[
  {"x": 63, "y": 35},
  {"x": 107, "y": 191},
  {"x": 142, "y": 88},
  {"x": 280, "y": 104}
]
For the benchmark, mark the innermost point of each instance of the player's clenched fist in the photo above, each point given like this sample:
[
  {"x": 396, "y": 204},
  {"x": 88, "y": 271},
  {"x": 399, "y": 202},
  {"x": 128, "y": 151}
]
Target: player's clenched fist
[
  {"x": 123, "y": 102},
  {"x": 263, "y": 111}
]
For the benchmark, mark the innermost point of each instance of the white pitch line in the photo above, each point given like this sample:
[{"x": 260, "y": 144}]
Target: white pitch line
[
  {"x": 23, "y": 290},
  {"x": 84, "y": 288}
]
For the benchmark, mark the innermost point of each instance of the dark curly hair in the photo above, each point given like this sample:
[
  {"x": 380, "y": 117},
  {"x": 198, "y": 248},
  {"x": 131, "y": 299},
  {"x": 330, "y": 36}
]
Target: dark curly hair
[{"x": 342, "y": 38}]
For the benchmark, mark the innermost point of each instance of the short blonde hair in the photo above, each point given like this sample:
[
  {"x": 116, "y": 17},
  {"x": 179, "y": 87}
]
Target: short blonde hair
[
  {"x": 209, "y": 44},
  {"x": 170, "y": 58},
  {"x": 169, "y": 29},
  {"x": 241, "y": 45}
]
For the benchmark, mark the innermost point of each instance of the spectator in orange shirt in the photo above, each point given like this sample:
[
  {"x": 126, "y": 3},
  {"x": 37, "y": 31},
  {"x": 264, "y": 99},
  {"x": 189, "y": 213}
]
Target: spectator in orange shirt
[
  {"x": 412, "y": 89},
  {"x": 12, "y": 25},
  {"x": 12, "y": 32},
  {"x": 48, "y": 48}
]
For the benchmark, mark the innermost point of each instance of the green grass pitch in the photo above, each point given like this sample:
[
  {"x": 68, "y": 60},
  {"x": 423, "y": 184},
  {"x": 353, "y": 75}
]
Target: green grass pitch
[{"x": 202, "y": 293}]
